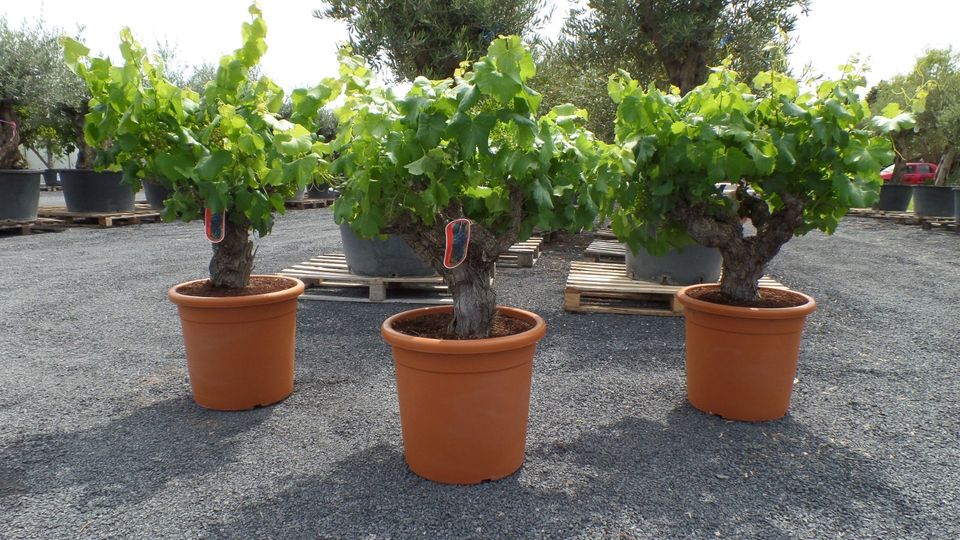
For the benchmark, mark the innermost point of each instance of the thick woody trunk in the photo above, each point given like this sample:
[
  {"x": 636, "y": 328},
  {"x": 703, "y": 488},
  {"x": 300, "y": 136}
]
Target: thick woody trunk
[
  {"x": 232, "y": 261},
  {"x": 744, "y": 258},
  {"x": 899, "y": 163},
  {"x": 10, "y": 156},
  {"x": 474, "y": 300},
  {"x": 687, "y": 71},
  {"x": 946, "y": 164}
]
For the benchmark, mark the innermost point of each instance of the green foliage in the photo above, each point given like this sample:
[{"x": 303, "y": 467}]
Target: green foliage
[
  {"x": 35, "y": 87},
  {"x": 224, "y": 149},
  {"x": 428, "y": 38},
  {"x": 932, "y": 90},
  {"x": 814, "y": 152},
  {"x": 471, "y": 147}
]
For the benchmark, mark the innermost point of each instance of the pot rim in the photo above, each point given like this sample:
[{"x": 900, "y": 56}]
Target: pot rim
[
  {"x": 463, "y": 346},
  {"x": 746, "y": 312},
  {"x": 295, "y": 289},
  {"x": 21, "y": 171}
]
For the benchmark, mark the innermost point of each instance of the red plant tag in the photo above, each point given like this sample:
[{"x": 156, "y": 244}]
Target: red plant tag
[
  {"x": 457, "y": 242},
  {"x": 215, "y": 225}
]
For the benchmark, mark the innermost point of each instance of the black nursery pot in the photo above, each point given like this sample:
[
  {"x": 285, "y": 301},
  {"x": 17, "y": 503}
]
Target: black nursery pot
[
  {"x": 895, "y": 197},
  {"x": 933, "y": 201},
  {"x": 96, "y": 192},
  {"x": 19, "y": 194}
]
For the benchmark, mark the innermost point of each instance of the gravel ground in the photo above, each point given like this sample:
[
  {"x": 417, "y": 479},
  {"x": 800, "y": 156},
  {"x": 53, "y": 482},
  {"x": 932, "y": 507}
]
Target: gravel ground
[{"x": 99, "y": 436}]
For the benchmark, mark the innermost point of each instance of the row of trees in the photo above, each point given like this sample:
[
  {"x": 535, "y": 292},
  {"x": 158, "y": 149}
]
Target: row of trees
[
  {"x": 936, "y": 79},
  {"x": 666, "y": 42}
]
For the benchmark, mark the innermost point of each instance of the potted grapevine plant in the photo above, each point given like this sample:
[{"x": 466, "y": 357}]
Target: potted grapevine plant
[
  {"x": 229, "y": 153},
  {"x": 471, "y": 147},
  {"x": 799, "y": 159}
]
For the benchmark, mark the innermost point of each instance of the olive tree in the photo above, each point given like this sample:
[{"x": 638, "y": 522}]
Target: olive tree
[
  {"x": 36, "y": 92},
  {"x": 428, "y": 38}
]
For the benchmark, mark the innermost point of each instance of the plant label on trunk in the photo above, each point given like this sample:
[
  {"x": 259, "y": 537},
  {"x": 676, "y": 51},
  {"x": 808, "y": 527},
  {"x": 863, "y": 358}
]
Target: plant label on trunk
[
  {"x": 215, "y": 224},
  {"x": 458, "y": 240}
]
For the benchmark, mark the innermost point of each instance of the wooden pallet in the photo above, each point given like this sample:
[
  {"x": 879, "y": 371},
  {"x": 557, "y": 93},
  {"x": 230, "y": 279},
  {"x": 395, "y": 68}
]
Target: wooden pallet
[
  {"x": 907, "y": 218},
  {"x": 945, "y": 224},
  {"x": 604, "y": 232},
  {"x": 608, "y": 250},
  {"x": 8, "y": 227},
  {"x": 603, "y": 287},
  {"x": 522, "y": 254},
  {"x": 303, "y": 204},
  {"x": 142, "y": 213},
  {"x": 45, "y": 187},
  {"x": 334, "y": 281}
]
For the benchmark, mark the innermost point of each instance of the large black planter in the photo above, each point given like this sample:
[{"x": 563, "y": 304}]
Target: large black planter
[
  {"x": 894, "y": 197},
  {"x": 156, "y": 193},
  {"x": 91, "y": 191},
  {"x": 19, "y": 194},
  {"x": 685, "y": 266},
  {"x": 50, "y": 178},
  {"x": 956, "y": 204},
  {"x": 322, "y": 191},
  {"x": 933, "y": 201},
  {"x": 383, "y": 258}
]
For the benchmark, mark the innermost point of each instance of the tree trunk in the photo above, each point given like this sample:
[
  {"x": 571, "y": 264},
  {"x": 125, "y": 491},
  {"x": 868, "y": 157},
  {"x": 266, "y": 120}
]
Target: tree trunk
[
  {"x": 474, "y": 300},
  {"x": 86, "y": 155},
  {"x": 899, "y": 163},
  {"x": 232, "y": 261},
  {"x": 10, "y": 156},
  {"x": 688, "y": 71},
  {"x": 943, "y": 169}
]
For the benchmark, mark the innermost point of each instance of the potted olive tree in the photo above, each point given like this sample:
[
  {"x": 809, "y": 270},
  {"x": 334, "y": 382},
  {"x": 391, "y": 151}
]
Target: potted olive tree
[
  {"x": 33, "y": 82},
  {"x": 469, "y": 148},
  {"x": 799, "y": 159},
  {"x": 226, "y": 153}
]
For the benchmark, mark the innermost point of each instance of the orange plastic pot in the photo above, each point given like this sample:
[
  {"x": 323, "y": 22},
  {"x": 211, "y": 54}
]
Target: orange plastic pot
[
  {"x": 741, "y": 362},
  {"x": 464, "y": 403},
  {"x": 240, "y": 349}
]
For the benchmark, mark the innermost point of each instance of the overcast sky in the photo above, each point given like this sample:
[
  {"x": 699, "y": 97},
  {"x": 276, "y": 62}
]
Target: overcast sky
[{"x": 302, "y": 49}]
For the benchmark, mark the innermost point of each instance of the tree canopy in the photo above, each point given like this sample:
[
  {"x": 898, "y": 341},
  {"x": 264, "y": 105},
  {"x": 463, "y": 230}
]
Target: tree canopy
[
  {"x": 36, "y": 91},
  {"x": 428, "y": 37},
  {"x": 934, "y": 78},
  {"x": 667, "y": 42}
]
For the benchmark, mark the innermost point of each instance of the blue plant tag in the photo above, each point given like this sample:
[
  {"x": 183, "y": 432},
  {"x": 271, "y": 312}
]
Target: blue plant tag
[
  {"x": 215, "y": 225},
  {"x": 457, "y": 242}
]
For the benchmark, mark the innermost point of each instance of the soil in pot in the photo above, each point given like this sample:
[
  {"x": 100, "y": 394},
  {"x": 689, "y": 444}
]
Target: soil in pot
[
  {"x": 96, "y": 192},
  {"x": 741, "y": 361},
  {"x": 19, "y": 194},
  {"x": 435, "y": 326},
  {"x": 464, "y": 403},
  {"x": 240, "y": 346}
]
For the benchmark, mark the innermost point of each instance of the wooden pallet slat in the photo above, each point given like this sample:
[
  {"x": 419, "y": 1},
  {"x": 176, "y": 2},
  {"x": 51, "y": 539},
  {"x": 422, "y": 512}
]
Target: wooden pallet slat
[
  {"x": 604, "y": 249},
  {"x": 31, "y": 226},
  {"x": 142, "y": 213},
  {"x": 598, "y": 287},
  {"x": 522, "y": 254},
  {"x": 304, "y": 204},
  {"x": 327, "y": 277}
]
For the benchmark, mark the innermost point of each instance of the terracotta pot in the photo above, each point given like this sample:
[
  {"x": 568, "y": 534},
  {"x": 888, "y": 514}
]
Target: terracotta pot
[
  {"x": 741, "y": 362},
  {"x": 240, "y": 349},
  {"x": 464, "y": 403}
]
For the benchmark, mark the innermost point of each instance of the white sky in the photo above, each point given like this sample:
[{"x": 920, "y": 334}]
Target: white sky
[{"x": 302, "y": 49}]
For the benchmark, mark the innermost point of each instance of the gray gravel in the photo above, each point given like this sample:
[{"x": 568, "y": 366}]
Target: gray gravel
[{"x": 99, "y": 437}]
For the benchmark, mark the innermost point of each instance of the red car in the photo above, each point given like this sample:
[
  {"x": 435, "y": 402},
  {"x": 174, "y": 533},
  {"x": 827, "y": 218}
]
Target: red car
[{"x": 917, "y": 173}]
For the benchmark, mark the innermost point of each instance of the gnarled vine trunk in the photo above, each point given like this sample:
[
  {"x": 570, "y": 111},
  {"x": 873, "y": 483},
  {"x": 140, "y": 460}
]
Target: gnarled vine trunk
[
  {"x": 232, "y": 261},
  {"x": 471, "y": 283},
  {"x": 744, "y": 258}
]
